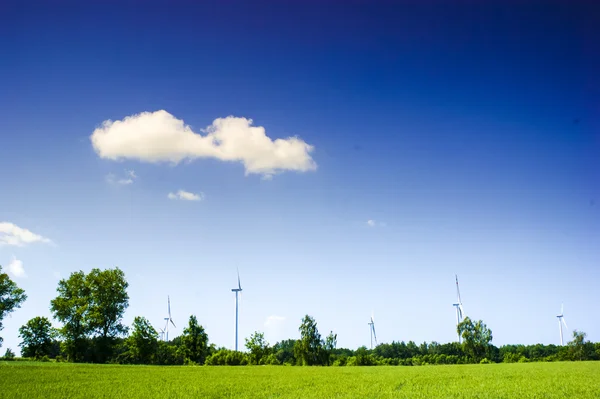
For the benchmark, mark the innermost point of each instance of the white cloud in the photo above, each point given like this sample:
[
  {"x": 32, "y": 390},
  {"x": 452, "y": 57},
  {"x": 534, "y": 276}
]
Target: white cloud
[
  {"x": 186, "y": 196},
  {"x": 272, "y": 320},
  {"x": 373, "y": 223},
  {"x": 161, "y": 137},
  {"x": 15, "y": 268},
  {"x": 127, "y": 179},
  {"x": 11, "y": 234}
]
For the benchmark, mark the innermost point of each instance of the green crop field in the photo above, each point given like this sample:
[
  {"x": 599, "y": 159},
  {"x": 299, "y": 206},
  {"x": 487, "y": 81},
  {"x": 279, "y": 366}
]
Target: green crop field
[{"x": 529, "y": 380}]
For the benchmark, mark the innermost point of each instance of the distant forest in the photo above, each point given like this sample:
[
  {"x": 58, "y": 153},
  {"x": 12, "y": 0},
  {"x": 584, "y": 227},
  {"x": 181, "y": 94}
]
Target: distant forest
[{"x": 90, "y": 308}]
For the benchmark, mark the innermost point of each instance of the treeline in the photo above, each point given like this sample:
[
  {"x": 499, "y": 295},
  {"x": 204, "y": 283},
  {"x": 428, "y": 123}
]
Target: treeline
[{"x": 90, "y": 308}]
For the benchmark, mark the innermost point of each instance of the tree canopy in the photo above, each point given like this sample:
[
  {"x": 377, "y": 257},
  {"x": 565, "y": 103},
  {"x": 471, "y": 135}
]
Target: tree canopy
[{"x": 11, "y": 297}]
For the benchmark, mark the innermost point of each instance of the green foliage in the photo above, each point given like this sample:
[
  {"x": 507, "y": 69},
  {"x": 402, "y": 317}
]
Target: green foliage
[
  {"x": 226, "y": 357},
  {"x": 476, "y": 338},
  {"x": 142, "y": 344},
  {"x": 36, "y": 338},
  {"x": 195, "y": 341},
  {"x": 11, "y": 297},
  {"x": 258, "y": 347},
  {"x": 9, "y": 355},
  {"x": 308, "y": 350},
  {"x": 284, "y": 351},
  {"x": 580, "y": 349},
  {"x": 91, "y": 305}
]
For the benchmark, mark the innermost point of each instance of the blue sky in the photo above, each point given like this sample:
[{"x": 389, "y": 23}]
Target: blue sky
[{"x": 468, "y": 135}]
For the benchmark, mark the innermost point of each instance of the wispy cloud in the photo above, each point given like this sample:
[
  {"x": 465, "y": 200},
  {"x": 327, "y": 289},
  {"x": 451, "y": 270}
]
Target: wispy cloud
[
  {"x": 125, "y": 180},
  {"x": 186, "y": 196},
  {"x": 11, "y": 234},
  {"x": 161, "y": 137},
  {"x": 374, "y": 223},
  {"x": 15, "y": 268}
]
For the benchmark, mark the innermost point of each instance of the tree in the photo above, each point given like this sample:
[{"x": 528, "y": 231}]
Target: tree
[
  {"x": 11, "y": 297},
  {"x": 91, "y": 305},
  {"x": 309, "y": 348},
  {"x": 142, "y": 344},
  {"x": 329, "y": 347},
  {"x": 9, "y": 354},
  {"x": 258, "y": 347},
  {"x": 195, "y": 340},
  {"x": 579, "y": 348},
  {"x": 36, "y": 338},
  {"x": 284, "y": 351},
  {"x": 476, "y": 338},
  {"x": 70, "y": 307}
]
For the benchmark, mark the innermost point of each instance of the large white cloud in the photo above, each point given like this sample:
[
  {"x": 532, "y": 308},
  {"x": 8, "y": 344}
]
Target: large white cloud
[
  {"x": 11, "y": 234},
  {"x": 161, "y": 137}
]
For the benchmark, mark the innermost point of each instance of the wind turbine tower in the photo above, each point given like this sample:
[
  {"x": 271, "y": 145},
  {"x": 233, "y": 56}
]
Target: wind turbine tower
[
  {"x": 561, "y": 321},
  {"x": 460, "y": 313},
  {"x": 372, "y": 330},
  {"x": 237, "y": 291},
  {"x": 168, "y": 320}
]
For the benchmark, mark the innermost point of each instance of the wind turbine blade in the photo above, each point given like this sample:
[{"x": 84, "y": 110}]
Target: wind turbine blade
[
  {"x": 564, "y": 322},
  {"x": 171, "y": 320},
  {"x": 457, "y": 289},
  {"x": 169, "y": 304},
  {"x": 562, "y": 307},
  {"x": 461, "y": 310},
  {"x": 374, "y": 335},
  {"x": 239, "y": 283}
]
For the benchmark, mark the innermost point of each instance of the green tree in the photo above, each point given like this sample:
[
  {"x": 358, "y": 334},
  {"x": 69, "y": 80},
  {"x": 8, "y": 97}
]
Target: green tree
[
  {"x": 476, "y": 338},
  {"x": 309, "y": 348},
  {"x": 36, "y": 338},
  {"x": 9, "y": 354},
  {"x": 91, "y": 305},
  {"x": 142, "y": 344},
  {"x": 329, "y": 347},
  {"x": 195, "y": 340},
  {"x": 284, "y": 351},
  {"x": 579, "y": 348},
  {"x": 258, "y": 347},
  {"x": 71, "y": 307},
  {"x": 11, "y": 297}
]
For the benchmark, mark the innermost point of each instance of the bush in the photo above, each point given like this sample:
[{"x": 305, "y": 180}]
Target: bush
[
  {"x": 9, "y": 355},
  {"x": 485, "y": 360}
]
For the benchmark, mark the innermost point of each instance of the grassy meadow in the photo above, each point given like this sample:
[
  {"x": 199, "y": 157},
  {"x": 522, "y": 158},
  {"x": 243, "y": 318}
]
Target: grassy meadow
[{"x": 520, "y": 380}]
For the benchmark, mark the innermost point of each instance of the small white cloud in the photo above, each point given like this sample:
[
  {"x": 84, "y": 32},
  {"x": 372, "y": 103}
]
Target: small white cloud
[
  {"x": 127, "y": 179},
  {"x": 373, "y": 223},
  {"x": 186, "y": 196},
  {"x": 161, "y": 137},
  {"x": 11, "y": 234},
  {"x": 15, "y": 268},
  {"x": 272, "y": 320}
]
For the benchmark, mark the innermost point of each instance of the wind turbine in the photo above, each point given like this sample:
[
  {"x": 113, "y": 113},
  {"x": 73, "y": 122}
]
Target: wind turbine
[
  {"x": 161, "y": 332},
  {"x": 372, "y": 330},
  {"x": 561, "y": 321},
  {"x": 460, "y": 312},
  {"x": 237, "y": 291},
  {"x": 168, "y": 319}
]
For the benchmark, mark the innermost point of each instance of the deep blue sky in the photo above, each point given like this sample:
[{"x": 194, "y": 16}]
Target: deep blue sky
[{"x": 469, "y": 133}]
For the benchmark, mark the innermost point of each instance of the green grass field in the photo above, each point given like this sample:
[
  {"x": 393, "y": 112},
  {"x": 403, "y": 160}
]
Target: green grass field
[{"x": 529, "y": 380}]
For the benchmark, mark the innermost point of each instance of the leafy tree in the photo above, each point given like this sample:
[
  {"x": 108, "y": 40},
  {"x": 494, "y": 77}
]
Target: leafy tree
[
  {"x": 70, "y": 307},
  {"x": 284, "y": 351},
  {"x": 36, "y": 338},
  {"x": 91, "y": 305},
  {"x": 579, "y": 348},
  {"x": 476, "y": 338},
  {"x": 9, "y": 354},
  {"x": 11, "y": 297},
  {"x": 142, "y": 344},
  {"x": 195, "y": 340},
  {"x": 329, "y": 347},
  {"x": 309, "y": 348},
  {"x": 258, "y": 347}
]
